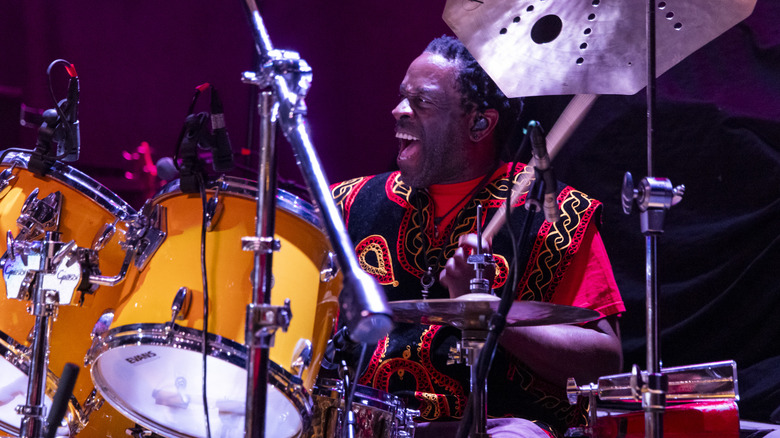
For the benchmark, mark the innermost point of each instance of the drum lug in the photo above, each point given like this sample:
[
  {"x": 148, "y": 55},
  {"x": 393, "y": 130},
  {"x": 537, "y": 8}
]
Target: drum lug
[
  {"x": 180, "y": 306},
  {"x": 214, "y": 210},
  {"x": 102, "y": 325},
  {"x": 93, "y": 402},
  {"x": 104, "y": 235},
  {"x": 39, "y": 215},
  {"x": 97, "y": 334},
  {"x": 330, "y": 269},
  {"x": 406, "y": 418},
  {"x": 6, "y": 177},
  {"x": 146, "y": 234},
  {"x": 301, "y": 358}
]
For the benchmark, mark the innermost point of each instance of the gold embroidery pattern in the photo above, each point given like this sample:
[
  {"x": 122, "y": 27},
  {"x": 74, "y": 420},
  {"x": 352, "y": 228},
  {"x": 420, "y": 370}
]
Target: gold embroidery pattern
[
  {"x": 343, "y": 189},
  {"x": 553, "y": 243},
  {"x": 382, "y": 270}
]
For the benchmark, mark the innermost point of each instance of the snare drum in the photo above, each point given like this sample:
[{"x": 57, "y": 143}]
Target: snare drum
[
  {"x": 149, "y": 364},
  {"x": 86, "y": 207},
  {"x": 377, "y": 413}
]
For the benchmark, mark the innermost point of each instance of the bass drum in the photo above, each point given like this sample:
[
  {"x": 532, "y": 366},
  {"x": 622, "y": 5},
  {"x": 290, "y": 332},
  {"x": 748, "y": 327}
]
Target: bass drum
[
  {"x": 149, "y": 364},
  {"x": 86, "y": 207}
]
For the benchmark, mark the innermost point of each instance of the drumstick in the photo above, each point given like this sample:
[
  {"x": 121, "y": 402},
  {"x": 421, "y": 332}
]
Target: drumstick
[{"x": 568, "y": 121}]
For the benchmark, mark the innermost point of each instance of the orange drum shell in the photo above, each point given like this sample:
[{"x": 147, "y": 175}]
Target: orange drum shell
[
  {"x": 81, "y": 219},
  {"x": 148, "y": 293}
]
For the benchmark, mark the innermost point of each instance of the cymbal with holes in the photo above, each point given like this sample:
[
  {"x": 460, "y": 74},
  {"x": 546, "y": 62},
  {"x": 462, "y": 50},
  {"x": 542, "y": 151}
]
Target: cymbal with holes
[
  {"x": 473, "y": 312},
  {"x": 555, "y": 47}
]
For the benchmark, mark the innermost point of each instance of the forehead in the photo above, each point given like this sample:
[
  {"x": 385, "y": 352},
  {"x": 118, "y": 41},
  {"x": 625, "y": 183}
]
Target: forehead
[{"x": 431, "y": 72}]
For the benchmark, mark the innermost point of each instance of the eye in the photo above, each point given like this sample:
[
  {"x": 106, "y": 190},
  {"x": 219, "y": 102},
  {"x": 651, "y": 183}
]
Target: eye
[
  {"x": 416, "y": 100},
  {"x": 420, "y": 101}
]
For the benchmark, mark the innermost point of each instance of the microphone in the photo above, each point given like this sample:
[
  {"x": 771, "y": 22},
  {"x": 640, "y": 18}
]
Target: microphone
[
  {"x": 70, "y": 147},
  {"x": 363, "y": 308},
  {"x": 221, "y": 152},
  {"x": 339, "y": 343},
  {"x": 166, "y": 169},
  {"x": 544, "y": 172}
]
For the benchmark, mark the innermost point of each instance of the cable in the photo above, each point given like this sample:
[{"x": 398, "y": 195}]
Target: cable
[
  {"x": 489, "y": 348},
  {"x": 350, "y": 396},
  {"x": 204, "y": 277}
]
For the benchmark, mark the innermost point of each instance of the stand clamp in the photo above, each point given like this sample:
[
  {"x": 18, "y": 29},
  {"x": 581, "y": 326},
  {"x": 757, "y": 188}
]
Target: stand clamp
[
  {"x": 260, "y": 244},
  {"x": 265, "y": 319},
  {"x": 653, "y": 196},
  {"x": 480, "y": 260},
  {"x": 295, "y": 72}
]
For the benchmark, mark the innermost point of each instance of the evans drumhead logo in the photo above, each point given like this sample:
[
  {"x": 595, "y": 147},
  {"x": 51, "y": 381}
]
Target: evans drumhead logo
[{"x": 141, "y": 358}]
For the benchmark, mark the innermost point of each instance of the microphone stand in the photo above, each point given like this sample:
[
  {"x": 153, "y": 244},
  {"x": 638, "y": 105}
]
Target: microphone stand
[{"x": 363, "y": 306}]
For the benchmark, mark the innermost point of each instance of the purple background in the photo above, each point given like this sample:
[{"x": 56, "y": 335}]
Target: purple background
[{"x": 718, "y": 132}]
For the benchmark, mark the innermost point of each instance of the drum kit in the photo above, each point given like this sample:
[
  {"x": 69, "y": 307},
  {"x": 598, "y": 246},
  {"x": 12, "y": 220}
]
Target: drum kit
[{"x": 148, "y": 301}]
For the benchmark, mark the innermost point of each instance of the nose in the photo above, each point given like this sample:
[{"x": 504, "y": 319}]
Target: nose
[{"x": 402, "y": 109}]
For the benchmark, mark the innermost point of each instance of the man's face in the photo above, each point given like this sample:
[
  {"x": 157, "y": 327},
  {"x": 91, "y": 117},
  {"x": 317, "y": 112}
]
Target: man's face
[{"x": 431, "y": 125}]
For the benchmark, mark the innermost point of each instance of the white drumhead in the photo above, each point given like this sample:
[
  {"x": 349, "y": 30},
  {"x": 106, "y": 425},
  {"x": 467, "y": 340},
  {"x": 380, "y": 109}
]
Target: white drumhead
[{"x": 160, "y": 388}]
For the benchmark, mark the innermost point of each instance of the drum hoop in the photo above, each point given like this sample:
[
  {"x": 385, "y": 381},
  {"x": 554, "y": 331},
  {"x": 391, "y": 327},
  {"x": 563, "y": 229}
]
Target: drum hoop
[
  {"x": 79, "y": 181},
  {"x": 190, "y": 339},
  {"x": 247, "y": 188},
  {"x": 364, "y": 395},
  {"x": 10, "y": 349},
  {"x": 178, "y": 337}
]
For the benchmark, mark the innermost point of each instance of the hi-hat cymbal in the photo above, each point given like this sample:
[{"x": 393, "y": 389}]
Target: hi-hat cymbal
[
  {"x": 473, "y": 312},
  {"x": 553, "y": 47}
]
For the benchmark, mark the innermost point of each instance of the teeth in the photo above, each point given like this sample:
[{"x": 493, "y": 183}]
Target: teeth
[{"x": 405, "y": 136}]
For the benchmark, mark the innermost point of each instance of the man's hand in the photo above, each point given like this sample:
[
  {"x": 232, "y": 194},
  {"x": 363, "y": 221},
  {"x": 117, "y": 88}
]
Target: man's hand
[{"x": 457, "y": 273}]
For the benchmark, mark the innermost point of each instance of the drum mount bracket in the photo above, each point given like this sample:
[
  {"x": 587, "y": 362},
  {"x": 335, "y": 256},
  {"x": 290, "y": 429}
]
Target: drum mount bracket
[{"x": 39, "y": 215}]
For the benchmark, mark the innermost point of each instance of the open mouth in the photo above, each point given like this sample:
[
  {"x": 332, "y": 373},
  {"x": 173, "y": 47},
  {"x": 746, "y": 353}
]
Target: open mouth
[{"x": 405, "y": 141}]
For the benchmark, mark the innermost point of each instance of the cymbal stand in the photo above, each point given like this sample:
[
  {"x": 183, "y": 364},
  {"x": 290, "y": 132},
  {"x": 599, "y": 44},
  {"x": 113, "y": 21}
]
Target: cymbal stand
[
  {"x": 474, "y": 340},
  {"x": 484, "y": 350},
  {"x": 654, "y": 196},
  {"x": 363, "y": 305},
  {"x": 470, "y": 351}
]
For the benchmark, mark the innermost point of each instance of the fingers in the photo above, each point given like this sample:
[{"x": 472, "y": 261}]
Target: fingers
[
  {"x": 470, "y": 241},
  {"x": 457, "y": 272}
]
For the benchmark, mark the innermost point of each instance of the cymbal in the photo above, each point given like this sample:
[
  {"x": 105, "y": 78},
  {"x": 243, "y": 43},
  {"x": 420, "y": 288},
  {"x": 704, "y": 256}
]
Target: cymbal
[
  {"x": 553, "y": 47},
  {"x": 473, "y": 312}
]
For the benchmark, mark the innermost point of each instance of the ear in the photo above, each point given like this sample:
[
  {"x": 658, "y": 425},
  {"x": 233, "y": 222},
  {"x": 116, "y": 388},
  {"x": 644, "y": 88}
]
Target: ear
[{"x": 484, "y": 124}]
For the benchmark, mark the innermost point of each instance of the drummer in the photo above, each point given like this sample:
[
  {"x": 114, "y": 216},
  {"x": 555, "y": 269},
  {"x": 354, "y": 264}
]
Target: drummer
[{"x": 414, "y": 228}]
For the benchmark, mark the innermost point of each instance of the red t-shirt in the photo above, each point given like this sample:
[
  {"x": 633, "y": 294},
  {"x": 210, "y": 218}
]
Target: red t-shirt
[{"x": 589, "y": 281}]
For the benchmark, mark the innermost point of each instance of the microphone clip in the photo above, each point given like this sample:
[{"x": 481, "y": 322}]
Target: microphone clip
[
  {"x": 58, "y": 127},
  {"x": 543, "y": 192},
  {"x": 191, "y": 170}
]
